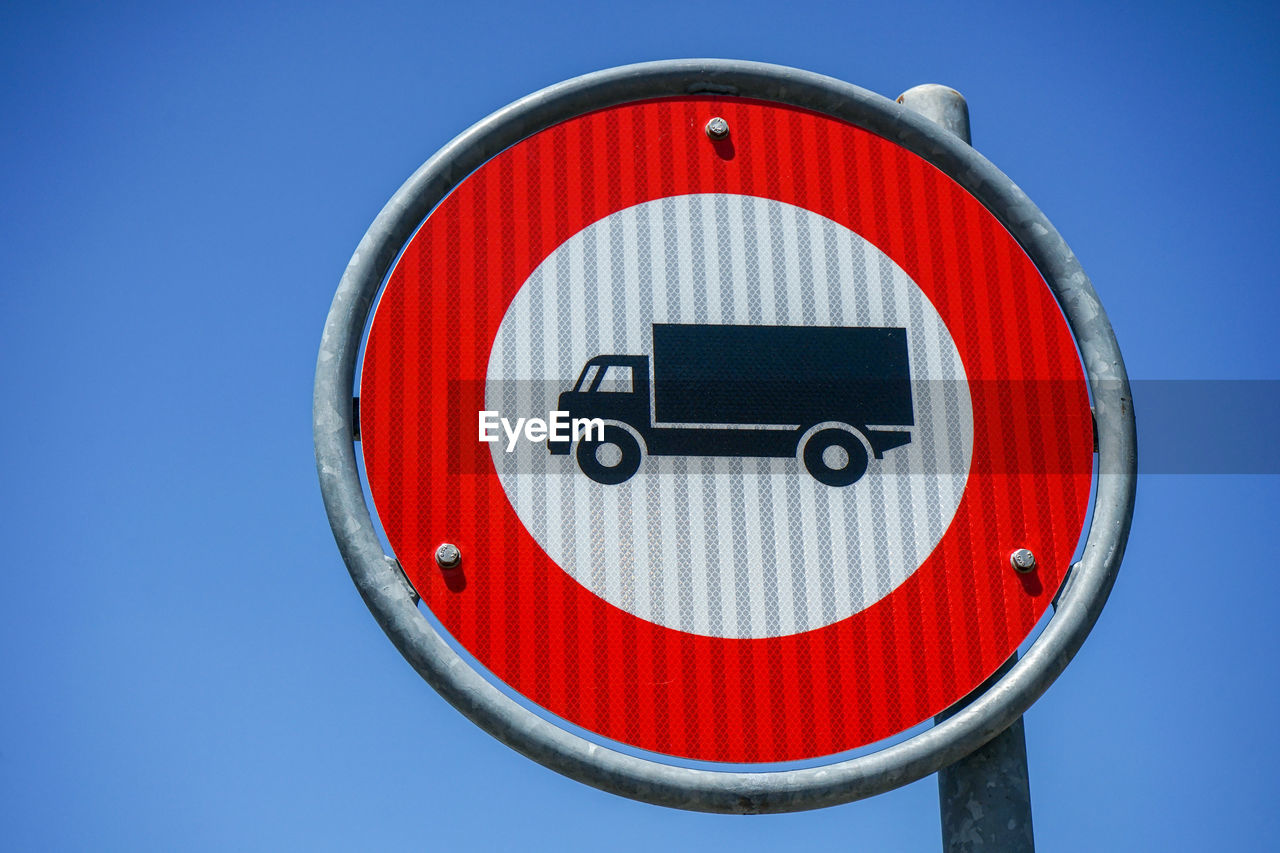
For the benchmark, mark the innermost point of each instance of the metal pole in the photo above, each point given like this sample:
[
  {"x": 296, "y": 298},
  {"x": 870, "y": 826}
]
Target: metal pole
[
  {"x": 942, "y": 105},
  {"x": 984, "y": 798}
]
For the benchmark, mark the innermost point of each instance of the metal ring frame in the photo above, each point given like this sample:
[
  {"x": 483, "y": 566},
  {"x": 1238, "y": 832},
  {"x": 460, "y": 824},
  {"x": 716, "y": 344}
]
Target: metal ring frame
[{"x": 393, "y": 602}]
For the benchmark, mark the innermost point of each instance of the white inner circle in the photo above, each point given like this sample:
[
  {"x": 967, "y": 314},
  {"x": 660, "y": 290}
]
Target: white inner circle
[{"x": 726, "y": 546}]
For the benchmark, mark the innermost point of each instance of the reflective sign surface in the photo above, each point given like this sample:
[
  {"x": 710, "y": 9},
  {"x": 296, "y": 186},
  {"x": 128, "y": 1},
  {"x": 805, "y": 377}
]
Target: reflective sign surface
[{"x": 830, "y": 396}]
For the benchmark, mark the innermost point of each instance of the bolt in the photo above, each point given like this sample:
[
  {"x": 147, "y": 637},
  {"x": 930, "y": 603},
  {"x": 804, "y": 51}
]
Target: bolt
[
  {"x": 1022, "y": 560},
  {"x": 448, "y": 556},
  {"x": 717, "y": 128}
]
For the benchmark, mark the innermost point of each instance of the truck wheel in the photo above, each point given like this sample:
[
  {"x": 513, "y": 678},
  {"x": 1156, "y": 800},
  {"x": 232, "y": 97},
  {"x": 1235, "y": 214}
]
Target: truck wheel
[
  {"x": 835, "y": 457},
  {"x": 612, "y": 461}
]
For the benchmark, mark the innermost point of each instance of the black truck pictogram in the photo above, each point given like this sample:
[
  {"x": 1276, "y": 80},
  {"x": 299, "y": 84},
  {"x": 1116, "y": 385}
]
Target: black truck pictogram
[{"x": 833, "y": 396}]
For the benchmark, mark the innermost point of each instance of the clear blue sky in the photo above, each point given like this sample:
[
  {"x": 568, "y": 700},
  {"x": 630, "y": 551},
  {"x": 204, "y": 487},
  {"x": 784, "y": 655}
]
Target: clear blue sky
[{"x": 185, "y": 662}]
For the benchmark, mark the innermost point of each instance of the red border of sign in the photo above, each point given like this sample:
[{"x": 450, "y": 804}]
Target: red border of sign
[{"x": 879, "y": 672}]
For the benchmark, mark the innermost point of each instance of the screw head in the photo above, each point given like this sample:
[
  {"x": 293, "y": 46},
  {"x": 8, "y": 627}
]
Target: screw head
[
  {"x": 448, "y": 556},
  {"x": 717, "y": 128},
  {"x": 1022, "y": 560}
]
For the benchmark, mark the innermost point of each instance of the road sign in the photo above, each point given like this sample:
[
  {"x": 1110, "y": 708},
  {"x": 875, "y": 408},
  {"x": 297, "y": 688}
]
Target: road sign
[{"x": 844, "y": 445}]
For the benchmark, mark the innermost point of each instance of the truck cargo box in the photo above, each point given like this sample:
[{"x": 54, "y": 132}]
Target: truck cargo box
[{"x": 796, "y": 375}]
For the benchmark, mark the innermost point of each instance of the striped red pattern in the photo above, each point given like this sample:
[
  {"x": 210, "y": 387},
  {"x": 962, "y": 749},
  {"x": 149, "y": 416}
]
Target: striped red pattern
[{"x": 860, "y": 680}]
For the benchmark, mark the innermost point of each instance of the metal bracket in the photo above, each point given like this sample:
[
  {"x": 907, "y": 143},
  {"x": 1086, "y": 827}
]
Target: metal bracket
[{"x": 404, "y": 578}]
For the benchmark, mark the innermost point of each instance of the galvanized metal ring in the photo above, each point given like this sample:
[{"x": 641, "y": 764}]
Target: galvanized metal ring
[{"x": 393, "y": 602}]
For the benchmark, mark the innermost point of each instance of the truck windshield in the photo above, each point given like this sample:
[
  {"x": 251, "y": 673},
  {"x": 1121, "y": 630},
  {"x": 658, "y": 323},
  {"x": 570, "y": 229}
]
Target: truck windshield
[
  {"x": 588, "y": 374},
  {"x": 616, "y": 379}
]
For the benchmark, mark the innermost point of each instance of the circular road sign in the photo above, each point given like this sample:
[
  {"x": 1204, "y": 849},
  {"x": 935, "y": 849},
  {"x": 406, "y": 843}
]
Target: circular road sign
[{"x": 731, "y": 414}]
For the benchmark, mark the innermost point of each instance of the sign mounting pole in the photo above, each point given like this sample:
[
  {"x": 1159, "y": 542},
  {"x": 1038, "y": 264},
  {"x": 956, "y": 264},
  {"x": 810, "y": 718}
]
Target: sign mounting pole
[{"x": 985, "y": 797}]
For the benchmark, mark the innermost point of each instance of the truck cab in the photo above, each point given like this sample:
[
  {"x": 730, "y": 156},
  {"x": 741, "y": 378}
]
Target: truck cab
[{"x": 612, "y": 388}]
